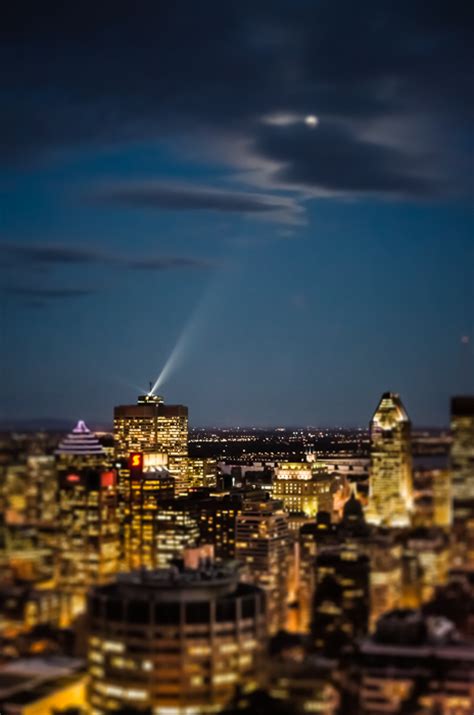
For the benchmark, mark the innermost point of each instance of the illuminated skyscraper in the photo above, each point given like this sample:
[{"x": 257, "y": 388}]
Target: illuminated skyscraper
[
  {"x": 175, "y": 641},
  {"x": 176, "y": 530},
  {"x": 390, "y": 472},
  {"x": 217, "y": 516},
  {"x": 442, "y": 497},
  {"x": 262, "y": 542},
  {"x": 88, "y": 519},
  {"x": 462, "y": 457},
  {"x": 150, "y": 425},
  {"x": 149, "y": 485},
  {"x": 202, "y": 472}
]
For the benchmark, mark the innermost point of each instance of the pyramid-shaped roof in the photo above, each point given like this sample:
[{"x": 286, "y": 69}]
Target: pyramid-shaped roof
[{"x": 81, "y": 441}]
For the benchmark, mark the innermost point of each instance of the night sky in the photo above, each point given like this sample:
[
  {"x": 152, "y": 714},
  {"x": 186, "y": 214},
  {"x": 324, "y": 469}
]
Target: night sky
[{"x": 270, "y": 200}]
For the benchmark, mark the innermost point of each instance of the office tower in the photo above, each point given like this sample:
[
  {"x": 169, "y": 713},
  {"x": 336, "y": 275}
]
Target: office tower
[
  {"x": 202, "y": 472},
  {"x": 152, "y": 426},
  {"x": 462, "y": 457},
  {"x": 304, "y": 488},
  {"x": 262, "y": 542},
  {"x": 442, "y": 497},
  {"x": 414, "y": 664},
  {"x": 390, "y": 471},
  {"x": 310, "y": 538},
  {"x": 342, "y": 600},
  {"x": 431, "y": 547},
  {"x": 43, "y": 479},
  {"x": 150, "y": 484},
  {"x": 176, "y": 530},
  {"x": 178, "y": 640},
  {"x": 217, "y": 517},
  {"x": 385, "y": 576},
  {"x": 88, "y": 519},
  {"x": 411, "y": 587}
]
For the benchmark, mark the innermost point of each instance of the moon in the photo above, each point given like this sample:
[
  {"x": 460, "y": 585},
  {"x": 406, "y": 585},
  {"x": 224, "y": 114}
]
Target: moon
[{"x": 311, "y": 120}]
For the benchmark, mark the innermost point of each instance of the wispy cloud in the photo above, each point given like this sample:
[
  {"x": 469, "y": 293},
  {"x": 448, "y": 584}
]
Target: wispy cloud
[
  {"x": 186, "y": 197},
  {"x": 166, "y": 264},
  {"x": 48, "y": 254},
  {"x": 48, "y": 293}
]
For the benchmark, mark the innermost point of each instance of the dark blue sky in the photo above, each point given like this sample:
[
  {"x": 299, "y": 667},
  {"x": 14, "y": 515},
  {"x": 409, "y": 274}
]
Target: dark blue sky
[{"x": 163, "y": 193}]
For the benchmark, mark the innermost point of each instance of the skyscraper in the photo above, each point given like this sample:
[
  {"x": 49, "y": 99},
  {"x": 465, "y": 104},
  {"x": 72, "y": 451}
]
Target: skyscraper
[
  {"x": 462, "y": 456},
  {"x": 88, "y": 518},
  {"x": 342, "y": 599},
  {"x": 149, "y": 486},
  {"x": 262, "y": 543},
  {"x": 390, "y": 471},
  {"x": 150, "y": 425}
]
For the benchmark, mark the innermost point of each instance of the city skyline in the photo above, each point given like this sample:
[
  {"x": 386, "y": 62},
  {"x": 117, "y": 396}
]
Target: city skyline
[
  {"x": 270, "y": 205},
  {"x": 237, "y": 365}
]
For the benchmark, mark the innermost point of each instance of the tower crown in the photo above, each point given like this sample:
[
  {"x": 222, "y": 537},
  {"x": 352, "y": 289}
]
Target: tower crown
[{"x": 81, "y": 441}]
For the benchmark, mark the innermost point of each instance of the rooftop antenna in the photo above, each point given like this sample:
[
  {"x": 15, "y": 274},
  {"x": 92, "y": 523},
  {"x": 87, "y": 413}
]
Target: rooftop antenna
[{"x": 151, "y": 387}]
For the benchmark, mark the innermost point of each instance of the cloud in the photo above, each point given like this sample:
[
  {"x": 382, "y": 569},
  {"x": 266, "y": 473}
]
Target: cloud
[
  {"x": 335, "y": 160},
  {"x": 166, "y": 264},
  {"x": 47, "y": 254},
  {"x": 95, "y": 74},
  {"x": 50, "y": 254},
  {"x": 49, "y": 293},
  {"x": 185, "y": 197}
]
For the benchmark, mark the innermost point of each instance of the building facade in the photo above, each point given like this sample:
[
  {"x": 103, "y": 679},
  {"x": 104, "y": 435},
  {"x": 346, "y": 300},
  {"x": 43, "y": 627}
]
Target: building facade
[
  {"x": 304, "y": 488},
  {"x": 152, "y": 426},
  {"x": 89, "y": 546},
  {"x": 262, "y": 542},
  {"x": 462, "y": 456},
  {"x": 390, "y": 471},
  {"x": 180, "y": 640}
]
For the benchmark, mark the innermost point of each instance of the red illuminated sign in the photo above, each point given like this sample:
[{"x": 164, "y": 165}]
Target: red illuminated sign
[
  {"x": 107, "y": 479},
  {"x": 73, "y": 478}
]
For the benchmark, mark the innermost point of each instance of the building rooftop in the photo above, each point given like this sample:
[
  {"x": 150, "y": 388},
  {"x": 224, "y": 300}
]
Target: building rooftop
[
  {"x": 177, "y": 583},
  {"x": 81, "y": 442}
]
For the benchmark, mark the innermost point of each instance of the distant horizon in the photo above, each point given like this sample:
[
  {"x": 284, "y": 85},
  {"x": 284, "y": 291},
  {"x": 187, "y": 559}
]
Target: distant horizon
[{"x": 61, "y": 424}]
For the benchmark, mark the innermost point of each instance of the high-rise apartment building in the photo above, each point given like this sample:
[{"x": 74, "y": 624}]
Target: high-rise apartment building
[
  {"x": 152, "y": 426},
  {"x": 462, "y": 456},
  {"x": 262, "y": 542},
  {"x": 88, "y": 519},
  {"x": 390, "y": 471},
  {"x": 179, "y": 640}
]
